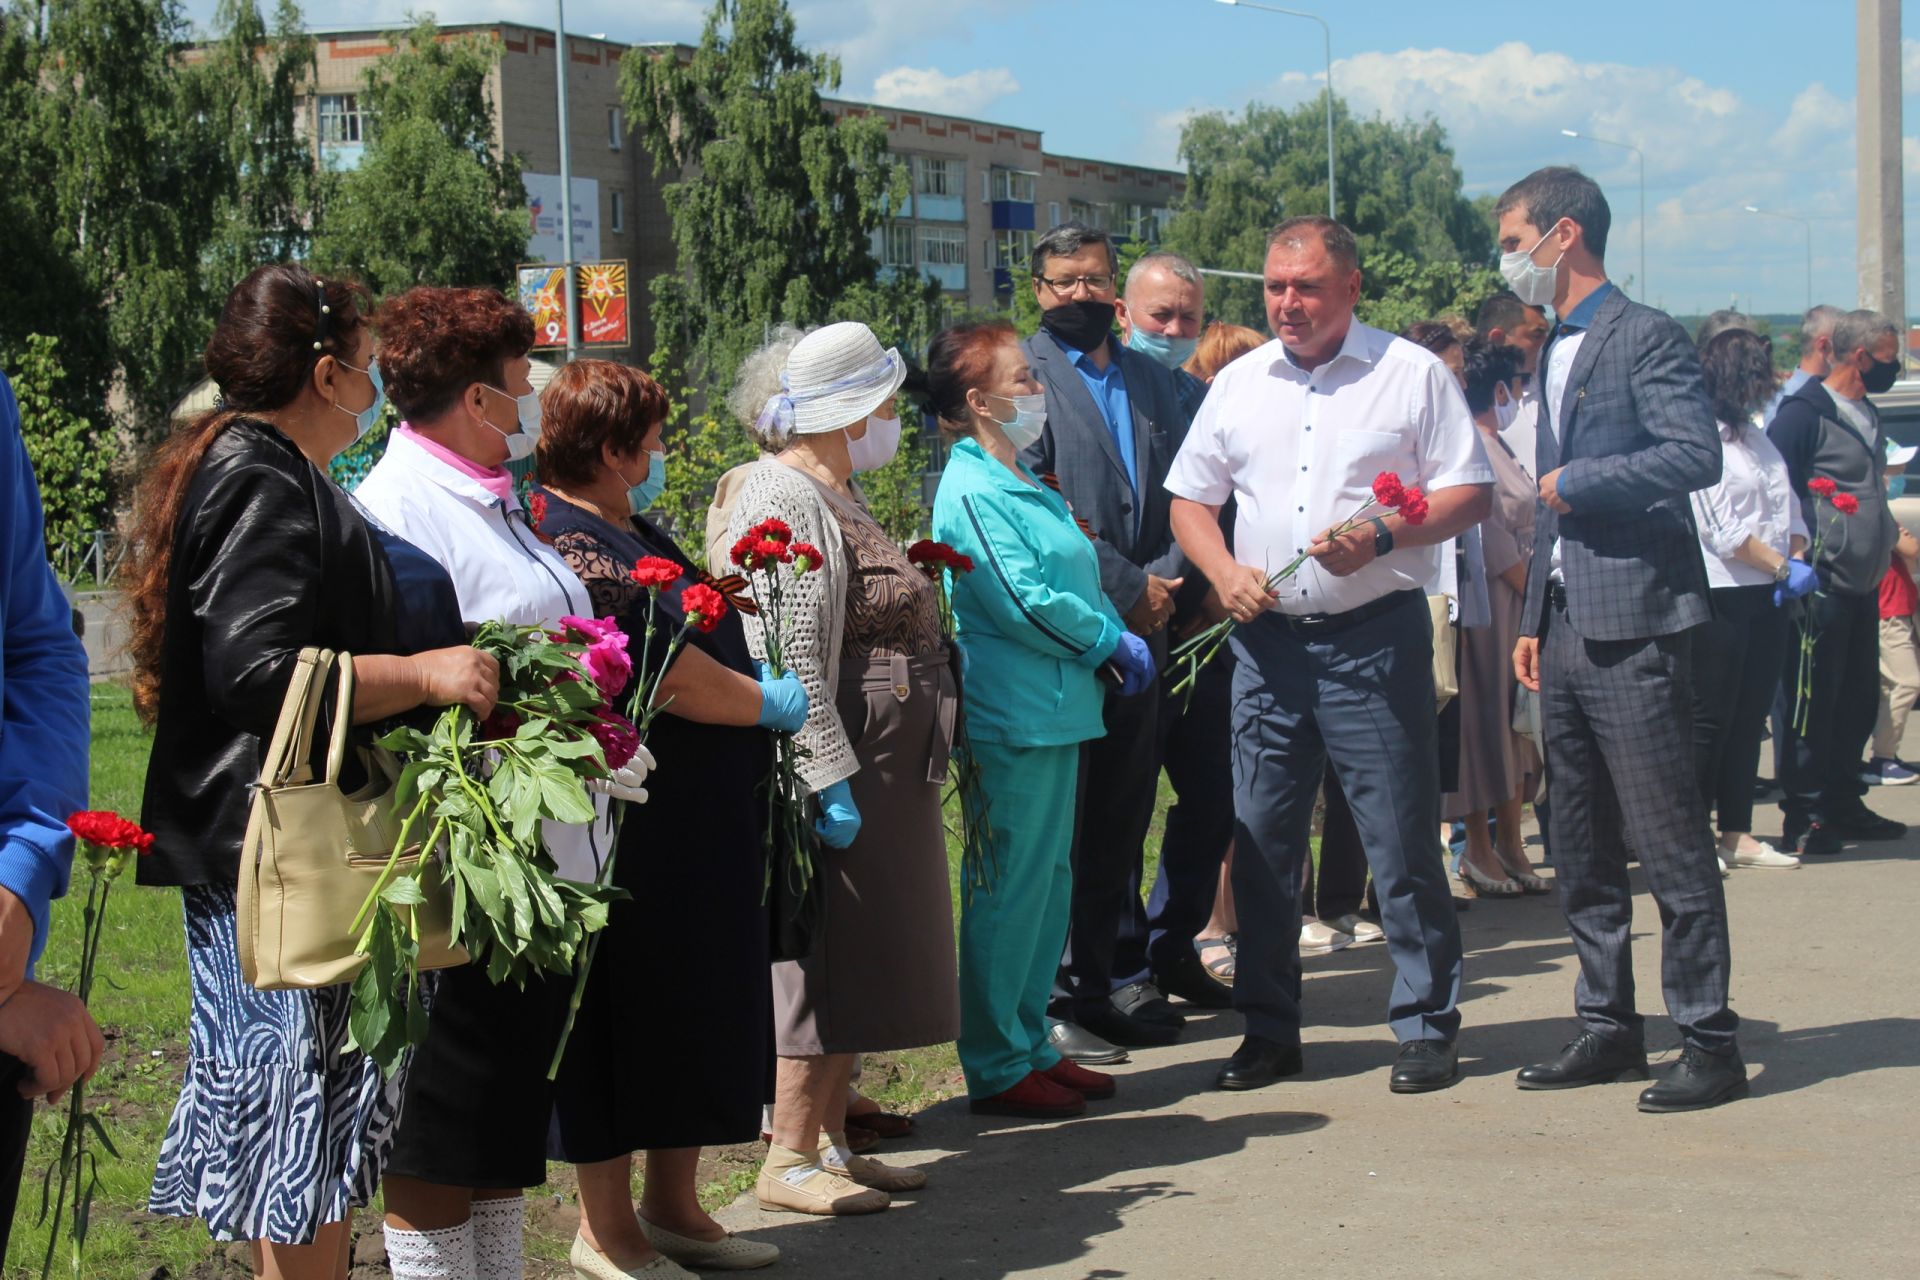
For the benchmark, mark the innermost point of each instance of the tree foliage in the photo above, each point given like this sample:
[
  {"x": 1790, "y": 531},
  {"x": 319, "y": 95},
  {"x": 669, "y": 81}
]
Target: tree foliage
[
  {"x": 71, "y": 467},
  {"x": 1399, "y": 191},
  {"x": 430, "y": 202}
]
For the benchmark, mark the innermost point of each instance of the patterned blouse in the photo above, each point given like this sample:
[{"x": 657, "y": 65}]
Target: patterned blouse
[{"x": 892, "y": 608}]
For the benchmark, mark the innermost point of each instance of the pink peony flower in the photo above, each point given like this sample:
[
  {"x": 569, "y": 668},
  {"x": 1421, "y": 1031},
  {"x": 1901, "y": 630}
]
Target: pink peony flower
[
  {"x": 616, "y": 736},
  {"x": 605, "y": 658}
]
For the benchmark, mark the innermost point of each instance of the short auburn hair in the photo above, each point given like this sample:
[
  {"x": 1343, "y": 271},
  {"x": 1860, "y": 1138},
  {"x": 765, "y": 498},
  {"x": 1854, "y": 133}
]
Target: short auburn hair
[
  {"x": 958, "y": 360},
  {"x": 591, "y": 403},
  {"x": 435, "y": 342},
  {"x": 1219, "y": 347}
]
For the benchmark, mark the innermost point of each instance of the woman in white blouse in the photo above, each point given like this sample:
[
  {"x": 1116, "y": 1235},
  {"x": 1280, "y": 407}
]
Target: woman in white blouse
[{"x": 1754, "y": 541}]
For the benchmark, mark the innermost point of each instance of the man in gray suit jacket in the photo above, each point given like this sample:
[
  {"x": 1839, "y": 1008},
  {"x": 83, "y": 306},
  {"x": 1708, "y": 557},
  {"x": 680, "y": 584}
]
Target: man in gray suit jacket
[
  {"x": 1616, "y": 582},
  {"x": 1114, "y": 422}
]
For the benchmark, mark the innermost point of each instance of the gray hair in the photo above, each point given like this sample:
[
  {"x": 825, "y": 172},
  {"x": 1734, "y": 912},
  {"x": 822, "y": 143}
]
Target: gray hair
[
  {"x": 1818, "y": 323},
  {"x": 1066, "y": 240},
  {"x": 1719, "y": 322},
  {"x": 759, "y": 380},
  {"x": 1170, "y": 262},
  {"x": 1857, "y": 330}
]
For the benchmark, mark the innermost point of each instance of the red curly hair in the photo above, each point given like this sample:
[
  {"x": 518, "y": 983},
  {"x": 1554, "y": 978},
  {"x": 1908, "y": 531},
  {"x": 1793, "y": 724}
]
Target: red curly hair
[
  {"x": 436, "y": 342},
  {"x": 588, "y": 404}
]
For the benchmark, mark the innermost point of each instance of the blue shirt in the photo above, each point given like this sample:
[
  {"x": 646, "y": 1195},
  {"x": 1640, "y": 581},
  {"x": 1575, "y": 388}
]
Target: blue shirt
[
  {"x": 1795, "y": 380},
  {"x": 1108, "y": 387}
]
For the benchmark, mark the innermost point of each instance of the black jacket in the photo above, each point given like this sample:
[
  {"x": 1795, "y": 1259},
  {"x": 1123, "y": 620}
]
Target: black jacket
[
  {"x": 268, "y": 557},
  {"x": 1817, "y": 440}
]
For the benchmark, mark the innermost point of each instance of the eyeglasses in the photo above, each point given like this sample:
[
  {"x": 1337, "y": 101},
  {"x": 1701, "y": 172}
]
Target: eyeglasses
[{"x": 1065, "y": 284}]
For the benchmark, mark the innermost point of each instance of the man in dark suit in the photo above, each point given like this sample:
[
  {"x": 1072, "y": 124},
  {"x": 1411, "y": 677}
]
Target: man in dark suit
[
  {"x": 1625, "y": 434},
  {"x": 1114, "y": 421}
]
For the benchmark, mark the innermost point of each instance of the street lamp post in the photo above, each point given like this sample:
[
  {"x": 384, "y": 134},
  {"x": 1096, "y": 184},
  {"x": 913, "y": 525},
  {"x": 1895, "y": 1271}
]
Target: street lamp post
[
  {"x": 566, "y": 183},
  {"x": 1806, "y": 225},
  {"x": 1645, "y": 292},
  {"x": 1326, "y": 40}
]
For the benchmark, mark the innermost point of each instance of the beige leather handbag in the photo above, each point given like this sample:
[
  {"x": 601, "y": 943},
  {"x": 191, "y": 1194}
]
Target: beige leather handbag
[
  {"x": 313, "y": 852},
  {"x": 1446, "y": 668}
]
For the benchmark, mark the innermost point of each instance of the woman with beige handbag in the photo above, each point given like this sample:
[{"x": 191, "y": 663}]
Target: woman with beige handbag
[{"x": 248, "y": 555}]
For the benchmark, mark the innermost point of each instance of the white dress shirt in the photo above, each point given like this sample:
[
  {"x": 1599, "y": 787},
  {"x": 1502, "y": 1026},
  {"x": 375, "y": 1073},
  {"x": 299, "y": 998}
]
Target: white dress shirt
[
  {"x": 1522, "y": 434},
  {"x": 1559, "y": 367},
  {"x": 1300, "y": 449},
  {"x": 1752, "y": 499}
]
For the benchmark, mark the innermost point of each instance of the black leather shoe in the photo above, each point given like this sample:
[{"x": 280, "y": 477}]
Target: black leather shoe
[
  {"x": 1259, "y": 1062},
  {"x": 1793, "y": 835},
  {"x": 1143, "y": 1002},
  {"x": 1821, "y": 841},
  {"x": 1590, "y": 1059},
  {"x": 1857, "y": 822},
  {"x": 1425, "y": 1065},
  {"x": 1123, "y": 1029},
  {"x": 1189, "y": 979},
  {"x": 1699, "y": 1080},
  {"x": 1080, "y": 1045}
]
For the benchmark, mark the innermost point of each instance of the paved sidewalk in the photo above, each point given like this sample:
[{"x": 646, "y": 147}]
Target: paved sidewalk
[{"x": 1330, "y": 1175}]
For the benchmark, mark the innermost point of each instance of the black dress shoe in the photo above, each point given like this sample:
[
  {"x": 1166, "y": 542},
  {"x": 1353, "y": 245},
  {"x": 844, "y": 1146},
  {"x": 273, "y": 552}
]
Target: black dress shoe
[
  {"x": 1425, "y": 1065},
  {"x": 1259, "y": 1062},
  {"x": 1857, "y": 822},
  {"x": 1699, "y": 1080},
  {"x": 1143, "y": 1002},
  {"x": 1081, "y": 1045},
  {"x": 1189, "y": 979},
  {"x": 1123, "y": 1029},
  {"x": 1590, "y": 1059},
  {"x": 1821, "y": 841}
]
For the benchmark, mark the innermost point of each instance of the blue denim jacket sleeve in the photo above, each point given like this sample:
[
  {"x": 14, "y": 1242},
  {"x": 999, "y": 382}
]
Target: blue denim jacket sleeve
[{"x": 43, "y": 695}]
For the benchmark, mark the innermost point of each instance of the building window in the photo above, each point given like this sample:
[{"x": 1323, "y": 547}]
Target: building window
[
  {"x": 943, "y": 246},
  {"x": 1090, "y": 213},
  {"x": 1011, "y": 185},
  {"x": 1053, "y": 213},
  {"x": 937, "y": 177},
  {"x": 616, "y": 128},
  {"x": 1010, "y": 249},
  {"x": 899, "y": 245},
  {"x": 617, "y": 213},
  {"x": 341, "y": 121}
]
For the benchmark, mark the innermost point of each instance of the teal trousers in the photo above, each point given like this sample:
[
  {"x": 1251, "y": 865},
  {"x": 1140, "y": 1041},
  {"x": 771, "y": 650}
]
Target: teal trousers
[{"x": 1011, "y": 938}]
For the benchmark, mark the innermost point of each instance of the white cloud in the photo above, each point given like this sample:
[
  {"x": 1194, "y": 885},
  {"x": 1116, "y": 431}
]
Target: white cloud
[{"x": 967, "y": 94}]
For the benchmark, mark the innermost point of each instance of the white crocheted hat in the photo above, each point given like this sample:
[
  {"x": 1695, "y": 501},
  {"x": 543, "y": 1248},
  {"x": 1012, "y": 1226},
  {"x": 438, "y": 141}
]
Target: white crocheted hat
[{"x": 835, "y": 376}]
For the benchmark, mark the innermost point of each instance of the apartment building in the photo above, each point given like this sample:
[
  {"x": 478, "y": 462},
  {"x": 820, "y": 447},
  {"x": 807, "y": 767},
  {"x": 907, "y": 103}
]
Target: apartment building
[{"x": 980, "y": 191}]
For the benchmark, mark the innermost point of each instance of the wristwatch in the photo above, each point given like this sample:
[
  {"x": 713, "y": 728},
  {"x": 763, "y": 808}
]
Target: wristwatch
[
  {"x": 1784, "y": 572},
  {"x": 1382, "y": 537}
]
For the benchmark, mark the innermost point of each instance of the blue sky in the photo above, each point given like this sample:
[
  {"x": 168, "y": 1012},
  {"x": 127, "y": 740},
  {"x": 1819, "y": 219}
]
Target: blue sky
[{"x": 1735, "y": 102}]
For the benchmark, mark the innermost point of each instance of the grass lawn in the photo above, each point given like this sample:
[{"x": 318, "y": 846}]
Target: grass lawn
[{"x": 141, "y": 1003}]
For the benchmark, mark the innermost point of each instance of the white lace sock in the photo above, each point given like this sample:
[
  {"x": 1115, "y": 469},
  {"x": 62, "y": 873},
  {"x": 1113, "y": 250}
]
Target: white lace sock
[
  {"x": 431, "y": 1255},
  {"x": 497, "y": 1229}
]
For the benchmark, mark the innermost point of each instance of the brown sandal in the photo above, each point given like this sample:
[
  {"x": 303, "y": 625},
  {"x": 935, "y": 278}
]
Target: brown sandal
[{"x": 881, "y": 1124}]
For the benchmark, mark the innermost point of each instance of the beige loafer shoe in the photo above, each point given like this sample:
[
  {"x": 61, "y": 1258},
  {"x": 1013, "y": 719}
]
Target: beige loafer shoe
[
  {"x": 731, "y": 1253},
  {"x": 823, "y": 1194},
  {"x": 589, "y": 1263},
  {"x": 869, "y": 1172}
]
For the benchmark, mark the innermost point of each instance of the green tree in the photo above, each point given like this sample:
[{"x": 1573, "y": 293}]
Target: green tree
[
  {"x": 68, "y": 462},
  {"x": 430, "y": 202},
  {"x": 1399, "y": 192},
  {"x": 1398, "y": 291}
]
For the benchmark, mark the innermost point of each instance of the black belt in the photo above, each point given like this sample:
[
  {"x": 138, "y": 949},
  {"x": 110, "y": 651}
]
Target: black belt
[
  {"x": 1557, "y": 596},
  {"x": 1326, "y": 624}
]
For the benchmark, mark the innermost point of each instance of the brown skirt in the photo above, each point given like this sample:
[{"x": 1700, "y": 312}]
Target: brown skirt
[{"x": 882, "y": 972}]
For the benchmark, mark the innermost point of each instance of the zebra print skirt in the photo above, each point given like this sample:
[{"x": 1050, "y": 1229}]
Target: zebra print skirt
[{"x": 279, "y": 1129}]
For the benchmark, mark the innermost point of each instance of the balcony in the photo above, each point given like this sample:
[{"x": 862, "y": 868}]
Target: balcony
[
  {"x": 1012, "y": 215},
  {"x": 939, "y": 208}
]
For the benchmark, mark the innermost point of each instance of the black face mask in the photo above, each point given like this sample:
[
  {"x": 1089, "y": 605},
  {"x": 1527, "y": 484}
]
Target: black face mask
[
  {"x": 1082, "y": 324},
  {"x": 1879, "y": 376}
]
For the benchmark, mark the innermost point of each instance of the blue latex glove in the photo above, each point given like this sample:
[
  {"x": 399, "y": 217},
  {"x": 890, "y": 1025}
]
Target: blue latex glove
[
  {"x": 839, "y": 821},
  {"x": 783, "y": 701},
  {"x": 1135, "y": 661},
  {"x": 1802, "y": 578}
]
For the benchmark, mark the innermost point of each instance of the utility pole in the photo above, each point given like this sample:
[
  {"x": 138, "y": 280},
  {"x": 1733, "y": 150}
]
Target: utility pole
[
  {"x": 1882, "y": 232},
  {"x": 566, "y": 183}
]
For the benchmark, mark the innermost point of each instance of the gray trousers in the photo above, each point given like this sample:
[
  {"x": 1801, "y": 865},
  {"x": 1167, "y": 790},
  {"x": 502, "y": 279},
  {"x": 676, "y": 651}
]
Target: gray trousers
[
  {"x": 1362, "y": 699},
  {"x": 1618, "y": 721}
]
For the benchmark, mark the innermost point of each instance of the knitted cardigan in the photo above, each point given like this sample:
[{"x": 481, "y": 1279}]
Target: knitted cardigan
[{"x": 814, "y": 603}]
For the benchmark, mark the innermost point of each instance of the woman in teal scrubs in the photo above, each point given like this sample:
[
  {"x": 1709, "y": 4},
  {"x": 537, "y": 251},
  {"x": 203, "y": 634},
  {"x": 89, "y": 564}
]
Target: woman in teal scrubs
[{"x": 1036, "y": 631}]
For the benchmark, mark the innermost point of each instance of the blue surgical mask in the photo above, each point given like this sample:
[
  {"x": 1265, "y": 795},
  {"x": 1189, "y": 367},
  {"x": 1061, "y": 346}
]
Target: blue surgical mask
[
  {"x": 366, "y": 419},
  {"x": 1896, "y": 485},
  {"x": 1168, "y": 353},
  {"x": 643, "y": 495}
]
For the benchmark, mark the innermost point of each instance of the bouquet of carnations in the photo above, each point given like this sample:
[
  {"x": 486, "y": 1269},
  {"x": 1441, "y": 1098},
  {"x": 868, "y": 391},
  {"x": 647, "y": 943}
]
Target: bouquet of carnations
[
  {"x": 1388, "y": 495},
  {"x": 979, "y": 866},
  {"x": 478, "y": 791},
  {"x": 769, "y": 556},
  {"x": 1825, "y": 495}
]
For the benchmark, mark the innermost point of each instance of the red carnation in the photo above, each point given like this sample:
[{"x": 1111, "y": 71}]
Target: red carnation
[
  {"x": 1388, "y": 491},
  {"x": 926, "y": 551},
  {"x": 768, "y": 550},
  {"x": 1822, "y": 486},
  {"x": 772, "y": 530},
  {"x": 1413, "y": 506},
  {"x": 109, "y": 830},
  {"x": 959, "y": 563},
  {"x": 654, "y": 572},
  {"x": 806, "y": 557},
  {"x": 741, "y": 550},
  {"x": 537, "y": 507},
  {"x": 704, "y": 606},
  {"x": 1845, "y": 503}
]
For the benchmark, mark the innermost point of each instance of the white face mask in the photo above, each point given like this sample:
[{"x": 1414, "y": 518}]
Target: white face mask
[
  {"x": 1028, "y": 422},
  {"x": 1531, "y": 282},
  {"x": 1505, "y": 413},
  {"x": 527, "y": 409},
  {"x": 876, "y": 448}
]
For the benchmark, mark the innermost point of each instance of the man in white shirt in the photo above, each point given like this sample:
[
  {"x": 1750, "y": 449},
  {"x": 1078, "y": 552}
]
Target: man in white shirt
[{"x": 1337, "y": 660}]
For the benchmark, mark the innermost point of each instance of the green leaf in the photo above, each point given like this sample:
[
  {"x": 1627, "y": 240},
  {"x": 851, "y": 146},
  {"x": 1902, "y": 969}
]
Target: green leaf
[
  {"x": 564, "y": 799},
  {"x": 404, "y": 891}
]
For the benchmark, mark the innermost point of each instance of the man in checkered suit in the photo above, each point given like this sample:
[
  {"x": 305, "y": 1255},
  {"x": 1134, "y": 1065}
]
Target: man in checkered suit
[{"x": 1625, "y": 434}]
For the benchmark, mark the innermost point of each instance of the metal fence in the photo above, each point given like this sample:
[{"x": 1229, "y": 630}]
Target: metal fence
[{"x": 92, "y": 559}]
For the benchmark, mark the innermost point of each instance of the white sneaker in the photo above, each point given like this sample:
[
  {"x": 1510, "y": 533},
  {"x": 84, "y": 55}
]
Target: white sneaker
[
  {"x": 1317, "y": 939},
  {"x": 1759, "y": 855},
  {"x": 1362, "y": 929}
]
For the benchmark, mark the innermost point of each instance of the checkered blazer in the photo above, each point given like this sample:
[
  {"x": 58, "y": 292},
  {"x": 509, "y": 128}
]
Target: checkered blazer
[{"x": 1635, "y": 435}]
